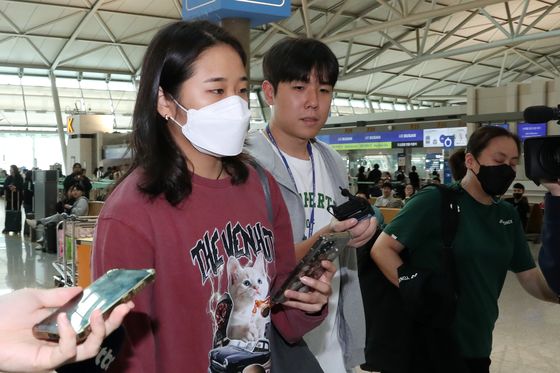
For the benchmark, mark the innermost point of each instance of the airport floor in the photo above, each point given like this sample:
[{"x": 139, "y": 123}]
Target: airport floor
[{"x": 526, "y": 337}]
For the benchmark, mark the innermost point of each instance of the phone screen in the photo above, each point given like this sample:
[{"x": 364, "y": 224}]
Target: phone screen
[{"x": 113, "y": 288}]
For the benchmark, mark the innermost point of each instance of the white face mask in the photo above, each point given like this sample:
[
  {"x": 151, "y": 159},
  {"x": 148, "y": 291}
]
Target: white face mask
[{"x": 218, "y": 129}]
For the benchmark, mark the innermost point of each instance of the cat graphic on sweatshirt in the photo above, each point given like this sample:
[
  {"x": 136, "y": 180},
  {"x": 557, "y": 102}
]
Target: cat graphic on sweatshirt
[{"x": 248, "y": 287}]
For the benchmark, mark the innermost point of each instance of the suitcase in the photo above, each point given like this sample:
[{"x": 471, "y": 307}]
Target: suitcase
[
  {"x": 13, "y": 215},
  {"x": 50, "y": 241}
]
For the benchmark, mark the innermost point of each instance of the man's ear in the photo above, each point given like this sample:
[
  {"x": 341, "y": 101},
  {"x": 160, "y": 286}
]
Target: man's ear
[
  {"x": 165, "y": 106},
  {"x": 268, "y": 91}
]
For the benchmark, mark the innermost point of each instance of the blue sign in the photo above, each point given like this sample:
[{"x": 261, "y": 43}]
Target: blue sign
[
  {"x": 257, "y": 11},
  {"x": 526, "y": 130},
  {"x": 374, "y": 140},
  {"x": 447, "y": 141}
]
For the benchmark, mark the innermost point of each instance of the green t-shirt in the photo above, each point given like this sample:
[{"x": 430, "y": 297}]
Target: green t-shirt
[{"x": 488, "y": 243}]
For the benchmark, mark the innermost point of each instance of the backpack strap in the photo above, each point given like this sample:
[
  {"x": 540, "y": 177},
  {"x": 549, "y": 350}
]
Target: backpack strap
[
  {"x": 449, "y": 224},
  {"x": 266, "y": 188}
]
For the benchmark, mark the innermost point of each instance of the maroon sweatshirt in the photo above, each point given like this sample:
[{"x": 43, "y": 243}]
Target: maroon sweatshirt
[{"x": 217, "y": 259}]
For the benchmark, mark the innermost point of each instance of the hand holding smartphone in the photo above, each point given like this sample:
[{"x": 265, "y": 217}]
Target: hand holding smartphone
[
  {"x": 327, "y": 247},
  {"x": 113, "y": 288}
]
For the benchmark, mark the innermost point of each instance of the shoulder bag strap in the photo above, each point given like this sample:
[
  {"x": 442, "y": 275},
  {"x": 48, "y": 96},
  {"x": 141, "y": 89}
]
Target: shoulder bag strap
[{"x": 266, "y": 188}]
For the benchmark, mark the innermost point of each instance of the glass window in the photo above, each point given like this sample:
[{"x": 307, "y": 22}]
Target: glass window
[
  {"x": 121, "y": 86},
  {"x": 39, "y": 81}
]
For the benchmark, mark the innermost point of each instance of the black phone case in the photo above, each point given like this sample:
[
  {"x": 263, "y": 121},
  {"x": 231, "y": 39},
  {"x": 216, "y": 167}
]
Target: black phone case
[{"x": 327, "y": 247}]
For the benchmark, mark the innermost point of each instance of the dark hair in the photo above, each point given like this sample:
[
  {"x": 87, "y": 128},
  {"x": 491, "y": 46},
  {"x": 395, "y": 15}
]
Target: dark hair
[
  {"x": 519, "y": 186},
  {"x": 387, "y": 185},
  {"x": 78, "y": 186},
  {"x": 376, "y": 166},
  {"x": 361, "y": 169},
  {"x": 457, "y": 164},
  {"x": 77, "y": 164},
  {"x": 293, "y": 59},
  {"x": 168, "y": 63},
  {"x": 482, "y": 136},
  {"x": 413, "y": 168}
]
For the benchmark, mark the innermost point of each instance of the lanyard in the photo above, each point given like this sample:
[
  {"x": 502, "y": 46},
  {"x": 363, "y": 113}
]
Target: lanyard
[{"x": 312, "y": 198}]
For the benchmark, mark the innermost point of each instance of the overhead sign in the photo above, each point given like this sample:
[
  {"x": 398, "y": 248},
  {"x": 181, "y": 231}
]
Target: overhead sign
[
  {"x": 445, "y": 137},
  {"x": 526, "y": 130},
  {"x": 374, "y": 140},
  {"x": 258, "y": 12}
]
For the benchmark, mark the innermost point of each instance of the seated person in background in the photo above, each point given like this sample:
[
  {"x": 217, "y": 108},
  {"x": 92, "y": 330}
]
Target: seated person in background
[
  {"x": 519, "y": 201},
  {"x": 64, "y": 205},
  {"x": 79, "y": 208},
  {"x": 408, "y": 193},
  {"x": 108, "y": 174},
  {"x": 387, "y": 199},
  {"x": 375, "y": 189},
  {"x": 436, "y": 180}
]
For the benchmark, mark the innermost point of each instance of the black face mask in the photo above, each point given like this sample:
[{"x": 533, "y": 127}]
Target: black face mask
[{"x": 495, "y": 180}]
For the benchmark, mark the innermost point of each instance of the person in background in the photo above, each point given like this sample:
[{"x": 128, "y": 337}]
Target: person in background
[
  {"x": 100, "y": 172},
  {"x": 436, "y": 180},
  {"x": 191, "y": 206},
  {"x": 13, "y": 189},
  {"x": 399, "y": 174},
  {"x": 408, "y": 193},
  {"x": 28, "y": 191},
  {"x": 108, "y": 174},
  {"x": 520, "y": 202},
  {"x": 414, "y": 178},
  {"x": 387, "y": 199},
  {"x": 20, "y": 351},
  {"x": 489, "y": 242},
  {"x": 386, "y": 176},
  {"x": 375, "y": 174},
  {"x": 299, "y": 77},
  {"x": 362, "y": 179},
  {"x": 79, "y": 207},
  {"x": 77, "y": 176}
]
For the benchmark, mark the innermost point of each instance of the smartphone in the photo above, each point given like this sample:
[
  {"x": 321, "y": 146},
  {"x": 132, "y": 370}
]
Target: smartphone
[
  {"x": 327, "y": 247},
  {"x": 113, "y": 288}
]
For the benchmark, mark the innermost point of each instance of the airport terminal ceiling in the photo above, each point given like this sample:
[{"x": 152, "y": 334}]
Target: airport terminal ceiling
[{"x": 394, "y": 54}]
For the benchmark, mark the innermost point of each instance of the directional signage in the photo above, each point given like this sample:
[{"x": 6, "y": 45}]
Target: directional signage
[
  {"x": 374, "y": 140},
  {"x": 445, "y": 137},
  {"x": 526, "y": 130},
  {"x": 257, "y": 11}
]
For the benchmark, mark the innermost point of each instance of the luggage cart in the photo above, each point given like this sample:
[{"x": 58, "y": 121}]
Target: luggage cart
[{"x": 70, "y": 231}]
